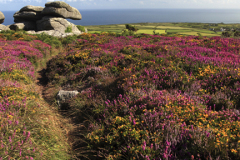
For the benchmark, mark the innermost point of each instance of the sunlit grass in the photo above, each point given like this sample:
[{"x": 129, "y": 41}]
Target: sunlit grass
[{"x": 148, "y": 31}]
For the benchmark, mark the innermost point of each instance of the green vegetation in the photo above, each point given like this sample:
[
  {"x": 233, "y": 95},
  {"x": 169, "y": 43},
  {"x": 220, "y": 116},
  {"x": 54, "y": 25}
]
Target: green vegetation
[
  {"x": 69, "y": 29},
  {"x": 147, "y": 31},
  {"x": 131, "y": 27},
  {"x": 205, "y": 29},
  {"x": 32, "y": 129},
  {"x": 81, "y": 28},
  {"x": 150, "y": 92}
]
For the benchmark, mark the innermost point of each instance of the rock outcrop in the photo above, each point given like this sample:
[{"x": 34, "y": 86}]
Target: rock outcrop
[
  {"x": 50, "y": 20},
  {"x": 28, "y": 13},
  {"x": 27, "y": 17},
  {"x": 2, "y": 17},
  {"x": 56, "y": 23},
  {"x": 61, "y": 9}
]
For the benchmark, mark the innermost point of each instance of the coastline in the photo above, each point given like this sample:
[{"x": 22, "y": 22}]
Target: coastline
[{"x": 123, "y": 16}]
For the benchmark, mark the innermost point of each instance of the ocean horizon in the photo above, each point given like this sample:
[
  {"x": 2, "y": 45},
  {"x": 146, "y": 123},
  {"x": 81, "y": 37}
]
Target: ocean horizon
[{"x": 123, "y": 16}]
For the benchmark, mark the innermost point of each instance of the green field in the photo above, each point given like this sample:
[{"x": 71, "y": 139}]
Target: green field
[
  {"x": 150, "y": 31},
  {"x": 167, "y": 28}
]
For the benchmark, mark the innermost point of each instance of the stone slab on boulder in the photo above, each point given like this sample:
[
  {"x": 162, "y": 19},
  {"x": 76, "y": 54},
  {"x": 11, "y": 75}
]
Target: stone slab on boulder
[
  {"x": 30, "y": 8},
  {"x": 58, "y": 24},
  {"x": 23, "y": 16},
  {"x": 61, "y": 9},
  {"x": 28, "y": 13},
  {"x": 2, "y": 17},
  {"x": 28, "y": 25},
  {"x": 4, "y": 28}
]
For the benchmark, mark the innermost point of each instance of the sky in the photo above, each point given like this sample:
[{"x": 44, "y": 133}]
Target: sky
[{"x": 15, "y": 5}]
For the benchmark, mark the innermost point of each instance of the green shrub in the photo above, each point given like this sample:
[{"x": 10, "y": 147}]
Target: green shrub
[
  {"x": 81, "y": 28},
  {"x": 69, "y": 29}
]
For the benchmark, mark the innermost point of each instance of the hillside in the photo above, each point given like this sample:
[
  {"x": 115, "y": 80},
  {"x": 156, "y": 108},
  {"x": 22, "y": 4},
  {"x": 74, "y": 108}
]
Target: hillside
[
  {"x": 151, "y": 97},
  {"x": 140, "y": 97}
]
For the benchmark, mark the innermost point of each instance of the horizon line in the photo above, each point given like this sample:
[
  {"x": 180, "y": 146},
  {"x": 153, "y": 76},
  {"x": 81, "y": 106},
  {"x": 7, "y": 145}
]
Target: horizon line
[{"x": 141, "y": 9}]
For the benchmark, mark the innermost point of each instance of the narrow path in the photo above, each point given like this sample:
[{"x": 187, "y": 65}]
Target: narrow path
[
  {"x": 47, "y": 93},
  {"x": 42, "y": 82}
]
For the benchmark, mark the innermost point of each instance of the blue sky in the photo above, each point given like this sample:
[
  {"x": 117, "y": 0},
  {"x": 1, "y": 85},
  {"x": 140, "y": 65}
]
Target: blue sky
[{"x": 14, "y": 5}]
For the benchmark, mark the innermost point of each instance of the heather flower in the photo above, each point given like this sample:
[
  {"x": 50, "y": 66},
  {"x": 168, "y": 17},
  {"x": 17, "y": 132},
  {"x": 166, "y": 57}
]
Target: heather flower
[
  {"x": 28, "y": 135},
  {"x": 144, "y": 146},
  {"x": 10, "y": 139},
  {"x": 134, "y": 123},
  {"x": 16, "y": 122}
]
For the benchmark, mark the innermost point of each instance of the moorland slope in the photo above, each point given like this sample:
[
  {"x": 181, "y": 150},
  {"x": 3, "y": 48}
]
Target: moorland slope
[{"x": 140, "y": 97}]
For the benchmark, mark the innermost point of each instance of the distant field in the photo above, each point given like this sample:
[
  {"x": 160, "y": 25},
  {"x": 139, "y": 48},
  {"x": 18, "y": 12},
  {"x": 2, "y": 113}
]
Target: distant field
[
  {"x": 179, "y": 30},
  {"x": 150, "y": 31},
  {"x": 166, "y": 28},
  {"x": 171, "y": 27}
]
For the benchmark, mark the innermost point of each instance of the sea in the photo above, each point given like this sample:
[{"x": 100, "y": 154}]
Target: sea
[{"x": 123, "y": 16}]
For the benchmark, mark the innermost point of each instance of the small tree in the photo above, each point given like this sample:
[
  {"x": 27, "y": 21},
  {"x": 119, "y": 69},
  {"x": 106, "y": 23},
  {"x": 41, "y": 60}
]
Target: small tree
[{"x": 131, "y": 28}]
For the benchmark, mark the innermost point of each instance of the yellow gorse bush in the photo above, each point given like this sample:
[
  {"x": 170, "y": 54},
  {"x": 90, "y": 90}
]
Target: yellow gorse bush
[
  {"x": 16, "y": 93},
  {"x": 16, "y": 75}
]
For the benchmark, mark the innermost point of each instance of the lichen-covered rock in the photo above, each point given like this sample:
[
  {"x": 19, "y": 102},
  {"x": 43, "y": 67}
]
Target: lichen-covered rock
[
  {"x": 2, "y": 17},
  {"x": 61, "y": 9},
  {"x": 62, "y": 96},
  {"x": 4, "y": 28},
  {"x": 58, "y": 24}
]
